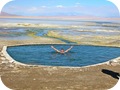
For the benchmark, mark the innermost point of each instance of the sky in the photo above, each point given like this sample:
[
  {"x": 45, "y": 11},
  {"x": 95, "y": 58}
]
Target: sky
[{"x": 99, "y": 8}]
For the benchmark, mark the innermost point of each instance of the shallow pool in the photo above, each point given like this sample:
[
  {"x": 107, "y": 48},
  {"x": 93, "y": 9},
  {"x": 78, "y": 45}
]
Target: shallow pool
[{"x": 80, "y": 55}]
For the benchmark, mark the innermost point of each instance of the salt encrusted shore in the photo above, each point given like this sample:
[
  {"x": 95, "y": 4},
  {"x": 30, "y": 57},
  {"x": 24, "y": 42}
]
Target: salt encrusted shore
[{"x": 56, "y": 35}]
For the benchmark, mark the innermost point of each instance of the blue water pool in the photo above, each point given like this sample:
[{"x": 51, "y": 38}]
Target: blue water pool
[{"x": 80, "y": 55}]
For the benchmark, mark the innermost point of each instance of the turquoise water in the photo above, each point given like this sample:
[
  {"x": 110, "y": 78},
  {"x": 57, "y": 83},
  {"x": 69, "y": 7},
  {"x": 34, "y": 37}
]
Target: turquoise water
[{"x": 80, "y": 55}]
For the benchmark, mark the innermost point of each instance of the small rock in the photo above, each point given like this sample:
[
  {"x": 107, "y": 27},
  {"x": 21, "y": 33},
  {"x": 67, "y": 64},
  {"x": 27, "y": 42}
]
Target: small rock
[
  {"x": 3, "y": 58},
  {"x": 54, "y": 68},
  {"x": 1, "y": 55},
  {"x": 114, "y": 63},
  {"x": 34, "y": 79},
  {"x": 11, "y": 66},
  {"x": 5, "y": 62}
]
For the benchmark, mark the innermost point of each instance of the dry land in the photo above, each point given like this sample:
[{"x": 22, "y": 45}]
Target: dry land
[{"x": 20, "y": 77}]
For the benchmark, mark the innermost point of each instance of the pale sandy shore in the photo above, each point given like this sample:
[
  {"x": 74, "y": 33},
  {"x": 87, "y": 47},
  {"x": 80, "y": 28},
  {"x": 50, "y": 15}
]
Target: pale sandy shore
[{"x": 20, "y": 77}]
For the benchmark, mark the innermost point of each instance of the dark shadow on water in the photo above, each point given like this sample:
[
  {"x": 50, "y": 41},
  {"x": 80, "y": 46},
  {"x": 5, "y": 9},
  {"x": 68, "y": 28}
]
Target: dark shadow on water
[{"x": 111, "y": 73}]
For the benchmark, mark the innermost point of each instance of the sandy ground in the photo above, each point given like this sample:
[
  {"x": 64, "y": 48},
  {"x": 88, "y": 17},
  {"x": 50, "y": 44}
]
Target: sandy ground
[{"x": 18, "y": 77}]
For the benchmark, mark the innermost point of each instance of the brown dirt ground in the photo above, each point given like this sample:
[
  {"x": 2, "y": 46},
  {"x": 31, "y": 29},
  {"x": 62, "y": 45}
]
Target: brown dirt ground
[{"x": 99, "y": 77}]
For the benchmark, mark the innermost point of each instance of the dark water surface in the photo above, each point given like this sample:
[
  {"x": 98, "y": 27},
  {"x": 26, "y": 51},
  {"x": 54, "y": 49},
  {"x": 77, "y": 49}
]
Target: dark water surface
[{"x": 80, "y": 55}]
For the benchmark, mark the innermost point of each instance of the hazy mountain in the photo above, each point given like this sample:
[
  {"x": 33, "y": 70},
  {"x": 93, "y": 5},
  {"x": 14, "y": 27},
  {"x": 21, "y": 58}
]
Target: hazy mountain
[{"x": 7, "y": 14}]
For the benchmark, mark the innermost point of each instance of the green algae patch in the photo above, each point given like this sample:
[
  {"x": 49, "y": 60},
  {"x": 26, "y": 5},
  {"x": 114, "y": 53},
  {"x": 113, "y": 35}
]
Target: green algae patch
[
  {"x": 87, "y": 39},
  {"x": 69, "y": 38}
]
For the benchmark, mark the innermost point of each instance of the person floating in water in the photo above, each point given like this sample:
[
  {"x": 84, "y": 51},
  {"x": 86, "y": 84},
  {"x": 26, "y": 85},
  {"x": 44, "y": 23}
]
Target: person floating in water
[{"x": 62, "y": 51}]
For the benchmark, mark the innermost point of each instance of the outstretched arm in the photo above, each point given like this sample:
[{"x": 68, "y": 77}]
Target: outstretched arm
[
  {"x": 69, "y": 49},
  {"x": 55, "y": 49}
]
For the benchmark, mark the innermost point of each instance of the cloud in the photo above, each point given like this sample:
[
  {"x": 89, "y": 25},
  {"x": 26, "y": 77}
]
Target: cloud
[
  {"x": 44, "y": 6},
  {"x": 33, "y": 9},
  {"x": 79, "y": 9},
  {"x": 60, "y": 6},
  {"x": 78, "y": 3}
]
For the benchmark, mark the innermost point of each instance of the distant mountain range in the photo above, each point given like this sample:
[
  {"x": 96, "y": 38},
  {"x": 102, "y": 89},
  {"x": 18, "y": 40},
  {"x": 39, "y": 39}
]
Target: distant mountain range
[
  {"x": 7, "y": 14},
  {"x": 62, "y": 17}
]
